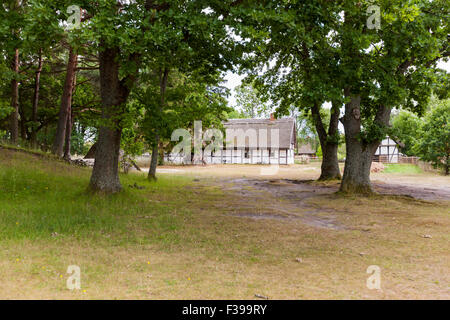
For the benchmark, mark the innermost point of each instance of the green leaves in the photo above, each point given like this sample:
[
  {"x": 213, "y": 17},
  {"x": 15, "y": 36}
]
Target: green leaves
[
  {"x": 406, "y": 129},
  {"x": 188, "y": 98},
  {"x": 250, "y": 101},
  {"x": 434, "y": 142}
]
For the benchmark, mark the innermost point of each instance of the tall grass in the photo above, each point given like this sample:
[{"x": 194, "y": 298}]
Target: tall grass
[{"x": 44, "y": 198}]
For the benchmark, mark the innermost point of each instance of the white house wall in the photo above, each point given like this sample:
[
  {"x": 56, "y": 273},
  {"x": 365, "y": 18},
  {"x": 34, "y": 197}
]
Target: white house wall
[
  {"x": 283, "y": 157},
  {"x": 388, "y": 148}
]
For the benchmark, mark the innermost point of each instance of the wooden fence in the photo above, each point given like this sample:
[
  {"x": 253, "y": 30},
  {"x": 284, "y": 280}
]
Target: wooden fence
[
  {"x": 410, "y": 160},
  {"x": 426, "y": 166}
]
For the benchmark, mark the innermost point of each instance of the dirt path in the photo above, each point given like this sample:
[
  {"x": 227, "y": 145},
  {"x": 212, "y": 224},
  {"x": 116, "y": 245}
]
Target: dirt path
[
  {"x": 287, "y": 195},
  {"x": 285, "y": 199},
  {"x": 417, "y": 188},
  {"x": 280, "y": 199}
]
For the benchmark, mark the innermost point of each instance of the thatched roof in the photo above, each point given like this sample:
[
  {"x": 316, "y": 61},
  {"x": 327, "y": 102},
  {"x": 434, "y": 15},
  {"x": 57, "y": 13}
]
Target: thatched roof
[
  {"x": 285, "y": 127},
  {"x": 306, "y": 149}
]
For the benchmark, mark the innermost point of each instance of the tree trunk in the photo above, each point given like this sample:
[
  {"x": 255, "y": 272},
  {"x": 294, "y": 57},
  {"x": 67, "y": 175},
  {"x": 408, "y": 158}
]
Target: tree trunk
[
  {"x": 91, "y": 152},
  {"x": 359, "y": 154},
  {"x": 69, "y": 125},
  {"x": 14, "y": 117},
  {"x": 446, "y": 166},
  {"x": 161, "y": 153},
  {"x": 163, "y": 78},
  {"x": 68, "y": 138},
  {"x": 154, "y": 160},
  {"x": 114, "y": 94},
  {"x": 330, "y": 165},
  {"x": 24, "y": 134},
  {"x": 358, "y": 161},
  {"x": 66, "y": 103},
  {"x": 34, "y": 118}
]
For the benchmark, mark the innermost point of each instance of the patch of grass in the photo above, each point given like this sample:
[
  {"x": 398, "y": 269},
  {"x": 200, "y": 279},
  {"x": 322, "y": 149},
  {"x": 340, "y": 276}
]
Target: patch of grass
[
  {"x": 37, "y": 152},
  {"x": 402, "y": 168},
  {"x": 43, "y": 198}
]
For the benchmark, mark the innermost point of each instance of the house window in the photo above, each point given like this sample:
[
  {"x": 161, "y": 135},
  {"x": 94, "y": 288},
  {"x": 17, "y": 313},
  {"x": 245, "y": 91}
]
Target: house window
[{"x": 247, "y": 154}]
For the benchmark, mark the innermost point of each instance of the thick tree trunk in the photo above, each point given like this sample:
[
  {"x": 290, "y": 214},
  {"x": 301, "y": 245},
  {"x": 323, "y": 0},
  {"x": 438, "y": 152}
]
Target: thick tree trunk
[
  {"x": 105, "y": 175},
  {"x": 114, "y": 94},
  {"x": 14, "y": 117},
  {"x": 358, "y": 159},
  {"x": 66, "y": 103},
  {"x": 358, "y": 162},
  {"x": 34, "y": 115},
  {"x": 330, "y": 165},
  {"x": 359, "y": 154},
  {"x": 154, "y": 160}
]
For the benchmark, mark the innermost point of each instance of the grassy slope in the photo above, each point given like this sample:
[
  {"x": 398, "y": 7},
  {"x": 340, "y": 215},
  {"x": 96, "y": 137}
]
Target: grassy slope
[
  {"x": 172, "y": 240},
  {"x": 43, "y": 196}
]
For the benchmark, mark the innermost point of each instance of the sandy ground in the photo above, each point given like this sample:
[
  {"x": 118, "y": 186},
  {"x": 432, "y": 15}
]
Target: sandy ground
[
  {"x": 419, "y": 186},
  {"x": 423, "y": 186},
  {"x": 264, "y": 192}
]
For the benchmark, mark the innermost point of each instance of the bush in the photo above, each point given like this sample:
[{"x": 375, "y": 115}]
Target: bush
[{"x": 434, "y": 144}]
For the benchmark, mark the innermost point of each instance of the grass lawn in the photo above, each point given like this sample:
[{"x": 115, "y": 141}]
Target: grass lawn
[
  {"x": 175, "y": 239},
  {"x": 402, "y": 168}
]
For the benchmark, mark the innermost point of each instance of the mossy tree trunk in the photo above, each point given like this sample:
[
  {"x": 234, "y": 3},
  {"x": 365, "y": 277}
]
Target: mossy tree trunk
[{"x": 359, "y": 153}]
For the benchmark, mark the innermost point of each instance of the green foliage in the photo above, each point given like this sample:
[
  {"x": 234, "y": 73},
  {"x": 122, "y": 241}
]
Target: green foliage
[
  {"x": 335, "y": 138},
  {"x": 248, "y": 99},
  {"x": 187, "y": 37},
  {"x": 441, "y": 86},
  {"x": 372, "y": 132},
  {"x": 341, "y": 150},
  {"x": 188, "y": 98},
  {"x": 5, "y": 109},
  {"x": 235, "y": 114},
  {"x": 406, "y": 130},
  {"x": 79, "y": 138},
  {"x": 434, "y": 144},
  {"x": 392, "y": 66},
  {"x": 132, "y": 142},
  {"x": 319, "y": 152},
  {"x": 306, "y": 130}
]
